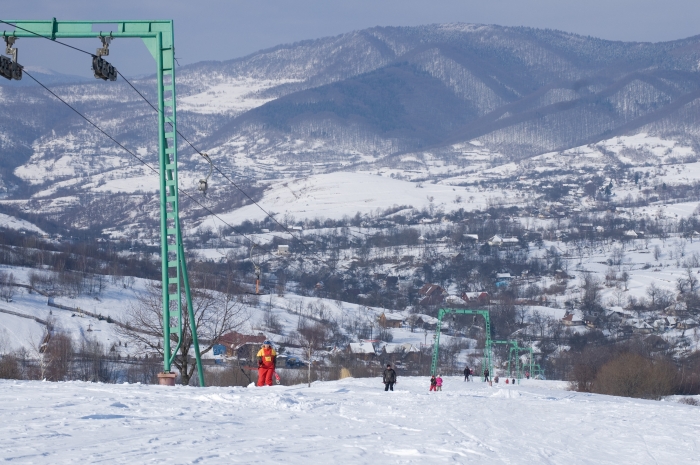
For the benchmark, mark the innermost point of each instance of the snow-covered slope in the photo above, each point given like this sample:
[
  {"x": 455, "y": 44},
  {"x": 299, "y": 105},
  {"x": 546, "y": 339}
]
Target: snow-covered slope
[{"x": 352, "y": 421}]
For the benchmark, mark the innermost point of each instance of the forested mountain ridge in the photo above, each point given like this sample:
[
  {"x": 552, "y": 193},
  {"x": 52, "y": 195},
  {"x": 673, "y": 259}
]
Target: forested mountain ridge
[{"x": 362, "y": 100}]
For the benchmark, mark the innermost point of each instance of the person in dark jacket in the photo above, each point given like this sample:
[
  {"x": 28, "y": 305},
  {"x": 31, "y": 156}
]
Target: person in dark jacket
[
  {"x": 486, "y": 376},
  {"x": 389, "y": 378},
  {"x": 466, "y": 374}
]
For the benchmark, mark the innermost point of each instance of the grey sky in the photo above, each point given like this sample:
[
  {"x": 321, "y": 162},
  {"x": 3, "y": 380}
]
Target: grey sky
[{"x": 225, "y": 29}]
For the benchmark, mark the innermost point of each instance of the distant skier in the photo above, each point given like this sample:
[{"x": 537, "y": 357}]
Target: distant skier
[
  {"x": 267, "y": 359},
  {"x": 389, "y": 377},
  {"x": 527, "y": 375},
  {"x": 467, "y": 372},
  {"x": 486, "y": 376},
  {"x": 433, "y": 383},
  {"x": 438, "y": 382}
]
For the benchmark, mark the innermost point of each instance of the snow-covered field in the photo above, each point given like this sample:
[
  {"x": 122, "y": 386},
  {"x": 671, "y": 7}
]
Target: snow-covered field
[
  {"x": 352, "y": 421},
  {"x": 340, "y": 194}
]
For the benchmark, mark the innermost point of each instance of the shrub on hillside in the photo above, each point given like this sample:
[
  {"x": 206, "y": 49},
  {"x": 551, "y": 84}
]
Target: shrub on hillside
[
  {"x": 632, "y": 375},
  {"x": 587, "y": 364},
  {"x": 9, "y": 367}
]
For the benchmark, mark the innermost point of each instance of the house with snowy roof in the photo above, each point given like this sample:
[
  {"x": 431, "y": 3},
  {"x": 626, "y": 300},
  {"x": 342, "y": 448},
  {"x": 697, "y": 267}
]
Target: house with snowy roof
[
  {"x": 405, "y": 351},
  {"x": 241, "y": 345},
  {"x": 362, "y": 350},
  {"x": 640, "y": 326},
  {"x": 391, "y": 320},
  {"x": 478, "y": 296},
  {"x": 432, "y": 294},
  {"x": 687, "y": 323},
  {"x": 501, "y": 241},
  {"x": 571, "y": 319}
]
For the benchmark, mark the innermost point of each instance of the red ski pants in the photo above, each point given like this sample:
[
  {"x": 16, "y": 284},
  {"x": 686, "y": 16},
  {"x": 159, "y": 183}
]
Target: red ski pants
[
  {"x": 433, "y": 387},
  {"x": 265, "y": 376}
]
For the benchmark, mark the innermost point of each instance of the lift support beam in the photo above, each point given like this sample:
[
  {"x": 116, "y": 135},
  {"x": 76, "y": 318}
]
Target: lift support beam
[
  {"x": 487, "y": 344},
  {"x": 160, "y": 40}
]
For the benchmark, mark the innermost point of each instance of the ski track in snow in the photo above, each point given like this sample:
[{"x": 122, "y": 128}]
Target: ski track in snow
[{"x": 352, "y": 421}]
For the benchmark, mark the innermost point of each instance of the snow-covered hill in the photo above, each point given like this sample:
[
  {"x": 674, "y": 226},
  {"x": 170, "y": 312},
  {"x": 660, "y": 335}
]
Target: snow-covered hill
[{"x": 352, "y": 421}]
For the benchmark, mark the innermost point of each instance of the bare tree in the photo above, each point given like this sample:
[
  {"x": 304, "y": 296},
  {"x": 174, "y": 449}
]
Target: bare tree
[
  {"x": 38, "y": 351},
  {"x": 625, "y": 278},
  {"x": 653, "y": 293},
  {"x": 312, "y": 338},
  {"x": 539, "y": 322},
  {"x": 590, "y": 292},
  {"x": 215, "y": 315},
  {"x": 691, "y": 280},
  {"x": 618, "y": 257},
  {"x": 7, "y": 286}
]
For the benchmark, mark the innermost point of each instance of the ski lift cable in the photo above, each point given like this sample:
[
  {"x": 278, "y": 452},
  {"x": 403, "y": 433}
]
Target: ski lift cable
[
  {"x": 214, "y": 166},
  {"x": 225, "y": 176},
  {"x": 142, "y": 161},
  {"x": 203, "y": 182},
  {"x": 206, "y": 157}
]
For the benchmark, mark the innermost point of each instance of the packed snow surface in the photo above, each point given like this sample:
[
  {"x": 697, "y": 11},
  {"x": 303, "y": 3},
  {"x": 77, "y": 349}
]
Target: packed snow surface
[{"x": 352, "y": 421}]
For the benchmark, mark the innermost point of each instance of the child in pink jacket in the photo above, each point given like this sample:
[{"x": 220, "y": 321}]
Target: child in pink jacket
[{"x": 438, "y": 381}]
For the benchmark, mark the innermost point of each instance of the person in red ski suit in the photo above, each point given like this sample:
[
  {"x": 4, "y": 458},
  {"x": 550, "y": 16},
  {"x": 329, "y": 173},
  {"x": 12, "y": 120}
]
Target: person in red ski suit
[
  {"x": 267, "y": 358},
  {"x": 433, "y": 383}
]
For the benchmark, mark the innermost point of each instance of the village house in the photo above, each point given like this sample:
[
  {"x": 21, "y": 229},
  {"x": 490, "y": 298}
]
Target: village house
[
  {"x": 432, "y": 294},
  {"x": 404, "y": 352},
  {"x": 362, "y": 350},
  {"x": 242, "y": 346},
  {"x": 475, "y": 297},
  {"x": 499, "y": 241},
  {"x": 688, "y": 323},
  {"x": 391, "y": 320},
  {"x": 571, "y": 319}
]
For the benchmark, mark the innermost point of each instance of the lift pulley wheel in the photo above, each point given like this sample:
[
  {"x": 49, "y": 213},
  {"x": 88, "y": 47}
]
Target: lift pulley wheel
[
  {"x": 103, "y": 70},
  {"x": 10, "y": 69}
]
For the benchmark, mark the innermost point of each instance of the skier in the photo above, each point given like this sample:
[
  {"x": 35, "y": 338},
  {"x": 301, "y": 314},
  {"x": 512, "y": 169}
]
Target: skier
[
  {"x": 267, "y": 358},
  {"x": 389, "y": 377},
  {"x": 433, "y": 383},
  {"x": 466, "y": 374},
  {"x": 527, "y": 375},
  {"x": 486, "y": 376},
  {"x": 438, "y": 382}
]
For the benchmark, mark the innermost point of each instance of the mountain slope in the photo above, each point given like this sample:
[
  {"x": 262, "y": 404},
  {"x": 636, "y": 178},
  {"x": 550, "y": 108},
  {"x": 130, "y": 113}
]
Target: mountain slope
[{"x": 366, "y": 100}]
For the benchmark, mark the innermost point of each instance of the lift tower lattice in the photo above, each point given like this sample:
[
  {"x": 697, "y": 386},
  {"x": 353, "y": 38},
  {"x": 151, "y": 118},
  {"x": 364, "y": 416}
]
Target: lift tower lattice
[{"x": 160, "y": 40}]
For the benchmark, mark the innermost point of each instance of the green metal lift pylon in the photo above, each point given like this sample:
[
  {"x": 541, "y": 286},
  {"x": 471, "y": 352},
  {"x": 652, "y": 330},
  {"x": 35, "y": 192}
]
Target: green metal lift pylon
[
  {"x": 160, "y": 40},
  {"x": 513, "y": 347},
  {"x": 515, "y": 354},
  {"x": 487, "y": 362}
]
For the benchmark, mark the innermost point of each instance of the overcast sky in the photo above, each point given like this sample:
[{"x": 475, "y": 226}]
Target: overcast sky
[{"x": 225, "y": 29}]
